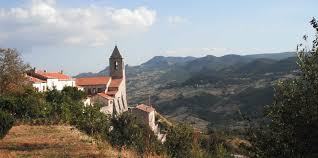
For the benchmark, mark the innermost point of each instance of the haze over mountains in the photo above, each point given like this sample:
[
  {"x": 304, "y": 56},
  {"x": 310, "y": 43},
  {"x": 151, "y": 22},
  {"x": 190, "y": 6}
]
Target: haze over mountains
[{"x": 208, "y": 90}]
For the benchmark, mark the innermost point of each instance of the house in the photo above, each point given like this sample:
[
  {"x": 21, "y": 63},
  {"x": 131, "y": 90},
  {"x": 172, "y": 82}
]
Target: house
[
  {"x": 146, "y": 114},
  {"x": 110, "y": 91},
  {"x": 43, "y": 80}
]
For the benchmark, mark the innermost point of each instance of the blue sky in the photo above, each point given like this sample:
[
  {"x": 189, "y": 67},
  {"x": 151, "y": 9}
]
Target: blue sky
[{"x": 79, "y": 35}]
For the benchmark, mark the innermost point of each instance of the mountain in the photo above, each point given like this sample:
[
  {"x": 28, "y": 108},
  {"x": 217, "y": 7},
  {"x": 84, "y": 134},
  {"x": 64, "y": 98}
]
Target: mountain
[
  {"x": 163, "y": 62},
  {"x": 262, "y": 65},
  {"x": 209, "y": 91},
  {"x": 193, "y": 64},
  {"x": 274, "y": 56}
]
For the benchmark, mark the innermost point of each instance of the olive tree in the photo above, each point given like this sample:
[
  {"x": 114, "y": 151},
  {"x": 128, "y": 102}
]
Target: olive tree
[
  {"x": 290, "y": 128},
  {"x": 12, "y": 70}
]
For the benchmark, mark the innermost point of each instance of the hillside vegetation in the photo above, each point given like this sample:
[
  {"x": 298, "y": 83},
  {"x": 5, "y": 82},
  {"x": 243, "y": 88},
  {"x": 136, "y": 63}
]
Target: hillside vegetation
[
  {"x": 55, "y": 141},
  {"x": 209, "y": 92}
]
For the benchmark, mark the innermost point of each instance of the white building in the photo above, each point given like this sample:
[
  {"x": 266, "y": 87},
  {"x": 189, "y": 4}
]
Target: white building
[
  {"x": 107, "y": 90},
  {"x": 43, "y": 81},
  {"x": 146, "y": 114}
]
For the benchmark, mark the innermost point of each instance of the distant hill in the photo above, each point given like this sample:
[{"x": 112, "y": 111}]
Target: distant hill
[
  {"x": 208, "y": 91},
  {"x": 267, "y": 66},
  {"x": 164, "y": 62},
  {"x": 193, "y": 64},
  {"x": 274, "y": 56}
]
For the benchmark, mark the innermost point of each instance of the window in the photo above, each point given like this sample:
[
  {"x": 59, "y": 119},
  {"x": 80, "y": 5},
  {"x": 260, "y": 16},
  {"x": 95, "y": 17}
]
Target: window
[
  {"x": 123, "y": 101},
  {"x": 116, "y": 65},
  {"x": 118, "y": 104},
  {"x": 89, "y": 90},
  {"x": 94, "y": 90}
]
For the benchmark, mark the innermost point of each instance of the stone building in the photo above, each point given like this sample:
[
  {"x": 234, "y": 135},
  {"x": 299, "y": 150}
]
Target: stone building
[
  {"x": 147, "y": 115},
  {"x": 110, "y": 91}
]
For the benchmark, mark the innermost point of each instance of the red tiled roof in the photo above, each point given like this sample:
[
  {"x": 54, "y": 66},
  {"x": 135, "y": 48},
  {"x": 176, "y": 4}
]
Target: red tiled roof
[
  {"x": 89, "y": 81},
  {"x": 56, "y": 75},
  {"x": 35, "y": 80},
  {"x": 115, "y": 83},
  {"x": 145, "y": 108},
  {"x": 111, "y": 93},
  {"x": 104, "y": 95}
]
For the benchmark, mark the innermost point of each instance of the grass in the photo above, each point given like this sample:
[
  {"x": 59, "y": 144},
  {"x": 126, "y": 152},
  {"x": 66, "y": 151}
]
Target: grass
[{"x": 54, "y": 141}]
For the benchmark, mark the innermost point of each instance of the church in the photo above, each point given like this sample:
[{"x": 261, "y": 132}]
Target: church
[{"x": 110, "y": 91}]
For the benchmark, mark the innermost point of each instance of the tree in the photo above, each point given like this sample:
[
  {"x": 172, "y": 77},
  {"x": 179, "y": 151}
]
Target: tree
[
  {"x": 12, "y": 70},
  {"x": 74, "y": 93},
  {"x": 6, "y": 122},
  {"x": 128, "y": 131},
  {"x": 66, "y": 105},
  {"x": 179, "y": 141},
  {"x": 291, "y": 125},
  {"x": 24, "y": 105},
  {"x": 91, "y": 120}
]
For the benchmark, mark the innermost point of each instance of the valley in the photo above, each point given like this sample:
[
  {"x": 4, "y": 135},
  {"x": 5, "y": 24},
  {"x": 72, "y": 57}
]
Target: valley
[{"x": 209, "y": 92}]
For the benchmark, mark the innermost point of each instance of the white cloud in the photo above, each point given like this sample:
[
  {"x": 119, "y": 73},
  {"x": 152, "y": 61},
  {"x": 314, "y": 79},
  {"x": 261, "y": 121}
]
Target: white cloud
[
  {"x": 176, "y": 20},
  {"x": 41, "y": 22}
]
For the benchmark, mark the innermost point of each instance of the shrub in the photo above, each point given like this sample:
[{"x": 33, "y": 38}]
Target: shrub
[
  {"x": 91, "y": 120},
  {"x": 6, "y": 122},
  {"x": 24, "y": 105},
  {"x": 128, "y": 131},
  {"x": 73, "y": 93},
  {"x": 291, "y": 123},
  {"x": 179, "y": 141}
]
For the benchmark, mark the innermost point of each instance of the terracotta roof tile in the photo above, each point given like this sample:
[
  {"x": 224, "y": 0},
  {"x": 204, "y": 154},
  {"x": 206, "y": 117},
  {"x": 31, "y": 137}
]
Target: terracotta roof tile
[
  {"x": 104, "y": 95},
  {"x": 35, "y": 80},
  {"x": 115, "y": 83},
  {"x": 88, "y": 81},
  {"x": 145, "y": 108},
  {"x": 111, "y": 93},
  {"x": 56, "y": 75}
]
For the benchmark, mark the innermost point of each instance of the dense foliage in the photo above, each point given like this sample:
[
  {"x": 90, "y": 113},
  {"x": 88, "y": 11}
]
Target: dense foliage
[
  {"x": 12, "y": 79},
  {"x": 291, "y": 123},
  {"x": 179, "y": 141},
  {"x": 6, "y": 121},
  {"x": 66, "y": 107},
  {"x": 12, "y": 70},
  {"x": 128, "y": 131}
]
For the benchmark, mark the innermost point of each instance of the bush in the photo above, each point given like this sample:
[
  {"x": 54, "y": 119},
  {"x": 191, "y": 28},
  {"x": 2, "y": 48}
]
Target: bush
[
  {"x": 128, "y": 131},
  {"x": 179, "y": 141},
  {"x": 74, "y": 93},
  {"x": 24, "y": 105},
  {"x": 66, "y": 105},
  {"x": 6, "y": 122},
  {"x": 290, "y": 129},
  {"x": 91, "y": 120}
]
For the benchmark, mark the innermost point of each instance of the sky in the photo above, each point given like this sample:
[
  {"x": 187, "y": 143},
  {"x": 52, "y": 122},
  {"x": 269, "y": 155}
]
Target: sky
[{"x": 79, "y": 35}]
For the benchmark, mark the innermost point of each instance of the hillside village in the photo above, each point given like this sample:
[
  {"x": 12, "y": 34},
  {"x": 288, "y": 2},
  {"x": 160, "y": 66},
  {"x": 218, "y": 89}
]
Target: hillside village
[
  {"x": 109, "y": 91},
  {"x": 212, "y": 79}
]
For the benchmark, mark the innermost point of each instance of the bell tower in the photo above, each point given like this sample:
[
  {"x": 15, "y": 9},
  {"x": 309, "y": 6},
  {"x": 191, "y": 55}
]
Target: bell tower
[{"x": 116, "y": 65}]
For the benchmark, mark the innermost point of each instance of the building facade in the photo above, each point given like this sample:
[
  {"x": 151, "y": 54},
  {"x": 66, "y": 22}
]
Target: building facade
[
  {"x": 147, "y": 115},
  {"x": 110, "y": 91},
  {"x": 43, "y": 80}
]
